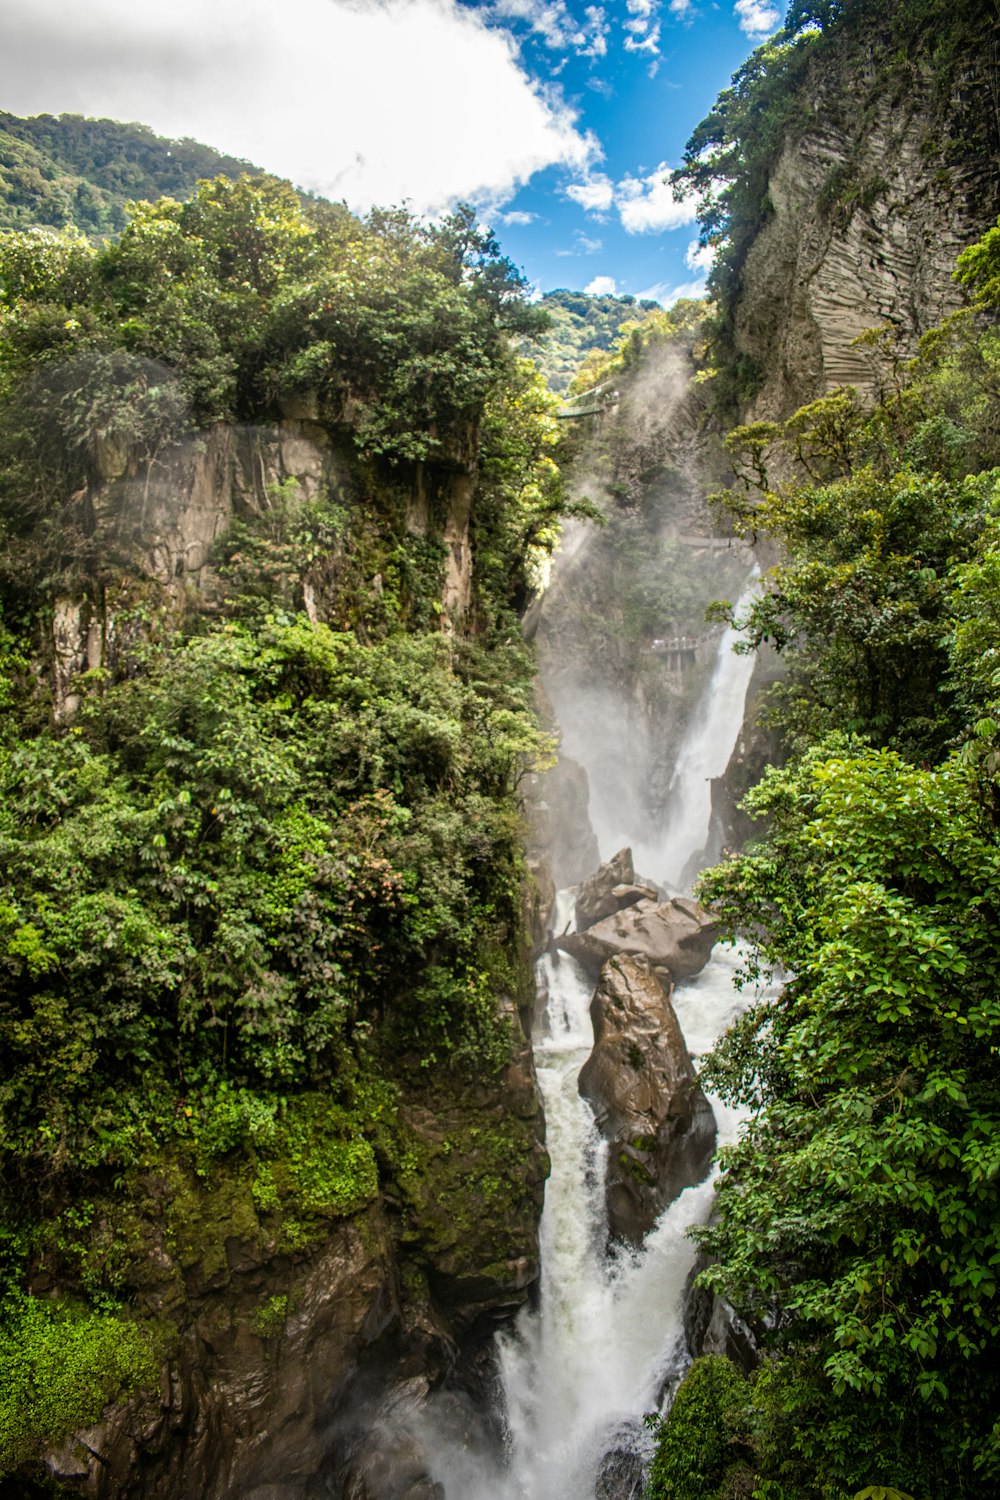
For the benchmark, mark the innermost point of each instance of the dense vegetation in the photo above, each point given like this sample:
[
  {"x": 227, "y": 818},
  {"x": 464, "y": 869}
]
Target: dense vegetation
[
  {"x": 67, "y": 170},
  {"x": 858, "y": 1228},
  {"x": 580, "y": 324},
  {"x": 273, "y": 858}
]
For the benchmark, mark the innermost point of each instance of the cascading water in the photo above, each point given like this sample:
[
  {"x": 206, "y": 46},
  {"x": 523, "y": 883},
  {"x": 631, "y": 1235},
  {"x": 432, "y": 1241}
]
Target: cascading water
[
  {"x": 581, "y": 1369},
  {"x": 672, "y": 857}
]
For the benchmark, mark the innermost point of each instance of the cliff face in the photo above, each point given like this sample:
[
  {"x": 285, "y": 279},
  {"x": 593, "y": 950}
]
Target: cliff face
[
  {"x": 282, "y": 1352},
  {"x": 161, "y": 521},
  {"x": 888, "y": 171}
]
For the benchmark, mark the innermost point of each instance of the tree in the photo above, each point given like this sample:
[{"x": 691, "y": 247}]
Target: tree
[{"x": 857, "y": 1215}]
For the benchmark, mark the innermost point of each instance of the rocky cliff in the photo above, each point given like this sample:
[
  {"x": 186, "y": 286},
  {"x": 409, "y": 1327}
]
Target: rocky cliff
[
  {"x": 284, "y": 1340},
  {"x": 886, "y": 170},
  {"x": 157, "y": 527}
]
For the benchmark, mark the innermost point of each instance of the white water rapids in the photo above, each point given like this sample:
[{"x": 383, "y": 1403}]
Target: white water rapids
[{"x": 581, "y": 1369}]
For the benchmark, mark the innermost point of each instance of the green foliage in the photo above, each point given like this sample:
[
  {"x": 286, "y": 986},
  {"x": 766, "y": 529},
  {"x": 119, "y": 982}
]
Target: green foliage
[
  {"x": 861, "y": 1196},
  {"x": 698, "y": 1451},
  {"x": 979, "y": 269},
  {"x": 59, "y": 1366},
  {"x": 269, "y": 1319},
  {"x": 234, "y": 854},
  {"x": 679, "y": 325},
  {"x": 274, "y": 861},
  {"x": 250, "y": 298},
  {"x": 67, "y": 170},
  {"x": 580, "y": 325},
  {"x": 857, "y": 1227},
  {"x": 886, "y": 537},
  {"x": 522, "y": 495}
]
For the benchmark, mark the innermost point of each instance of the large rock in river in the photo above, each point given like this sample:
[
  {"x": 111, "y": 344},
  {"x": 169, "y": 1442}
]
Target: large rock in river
[
  {"x": 676, "y": 935},
  {"x": 641, "y": 1082},
  {"x": 610, "y": 889}
]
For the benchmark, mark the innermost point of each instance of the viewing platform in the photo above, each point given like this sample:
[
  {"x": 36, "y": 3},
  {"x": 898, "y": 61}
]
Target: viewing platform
[
  {"x": 680, "y": 650},
  {"x": 595, "y": 403}
]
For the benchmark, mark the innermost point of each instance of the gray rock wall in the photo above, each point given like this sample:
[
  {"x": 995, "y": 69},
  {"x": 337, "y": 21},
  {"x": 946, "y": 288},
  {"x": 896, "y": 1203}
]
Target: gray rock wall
[{"x": 889, "y": 177}]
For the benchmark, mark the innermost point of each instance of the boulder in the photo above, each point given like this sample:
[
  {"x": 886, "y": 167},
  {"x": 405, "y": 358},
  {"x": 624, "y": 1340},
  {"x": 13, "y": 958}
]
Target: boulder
[
  {"x": 676, "y": 935},
  {"x": 641, "y": 1082},
  {"x": 395, "y": 1467},
  {"x": 610, "y": 889}
]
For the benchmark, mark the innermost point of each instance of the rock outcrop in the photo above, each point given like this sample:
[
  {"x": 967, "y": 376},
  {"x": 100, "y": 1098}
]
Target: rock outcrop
[
  {"x": 284, "y": 1348},
  {"x": 676, "y": 937},
  {"x": 887, "y": 172},
  {"x": 162, "y": 520},
  {"x": 557, "y": 802},
  {"x": 711, "y": 1326},
  {"x": 641, "y": 1082},
  {"x": 610, "y": 889}
]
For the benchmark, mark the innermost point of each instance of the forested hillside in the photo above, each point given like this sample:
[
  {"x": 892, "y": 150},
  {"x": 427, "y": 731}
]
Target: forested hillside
[
  {"x": 63, "y": 170},
  {"x": 580, "y": 324}
]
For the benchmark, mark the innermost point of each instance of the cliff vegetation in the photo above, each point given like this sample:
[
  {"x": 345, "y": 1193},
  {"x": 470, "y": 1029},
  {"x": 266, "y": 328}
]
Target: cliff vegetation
[
  {"x": 262, "y": 913},
  {"x": 857, "y": 1226}
]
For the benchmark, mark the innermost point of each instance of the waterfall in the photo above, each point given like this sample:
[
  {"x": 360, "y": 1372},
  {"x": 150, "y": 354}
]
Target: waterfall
[
  {"x": 673, "y": 855},
  {"x": 581, "y": 1369}
]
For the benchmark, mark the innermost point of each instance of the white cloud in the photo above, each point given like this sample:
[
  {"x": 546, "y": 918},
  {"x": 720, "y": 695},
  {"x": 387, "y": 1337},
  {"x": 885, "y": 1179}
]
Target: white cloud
[
  {"x": 601, "y": 286},
  {"x": 558, "y": 28},
  {"x": 646, "y": 205},
  {"x": 680, "y": 7},
  {"x": 757, "y": 17},
  {"x": 642, "y": 30},
  {"x": 666, "y": 295},
  {"x": 699, "y": 257},
  {"x": 326, "y": 92},
  {"x": 587, "y": 245},
  {"x": 595, "y": 194},
  {"x": 515, "y": 216}
]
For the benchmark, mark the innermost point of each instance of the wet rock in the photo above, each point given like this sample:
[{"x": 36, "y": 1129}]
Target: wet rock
[
  {"x": 712, "y": 1326},
  {"x": 542, "y": 898},
  {"x": 610, "y": 889},
  {"x": 621, "y": 1474},
  {"x": 275, "y": 1492},
  {"x": 557, "y": 803},
  {"x": 641, "y": 1082},
  {"x": 676, "y": 935},
  {"x": 394, "y": 1468}
]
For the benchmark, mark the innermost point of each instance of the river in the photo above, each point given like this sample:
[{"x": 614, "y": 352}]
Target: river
[{"x": 581, "y": 1368}]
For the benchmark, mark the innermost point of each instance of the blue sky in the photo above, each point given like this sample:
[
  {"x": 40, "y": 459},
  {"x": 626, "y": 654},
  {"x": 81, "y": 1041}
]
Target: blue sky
[
  {"x": 557, "y": 118},
  {"x": 640, "y": 93}
]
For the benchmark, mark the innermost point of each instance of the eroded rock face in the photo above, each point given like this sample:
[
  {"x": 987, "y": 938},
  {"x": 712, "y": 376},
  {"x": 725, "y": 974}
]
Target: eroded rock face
[
  {"x": 557, "y": 803},
  {"x": 641, "y": 1082},
  {"x": 675, "y": 936},
  {"x": 162, "y": 522},
  {"x": 884, "y": 181},
  {"x": 268, "y": 1344},
  {"x": 283, "y": 1350},
  {"x": 610, "y": 889},
  {"x": 712, "y": 1326}
]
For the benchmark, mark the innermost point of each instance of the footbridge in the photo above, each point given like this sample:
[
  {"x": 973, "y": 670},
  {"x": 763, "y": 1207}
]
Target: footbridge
[{"x": 593, "y": 403}]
